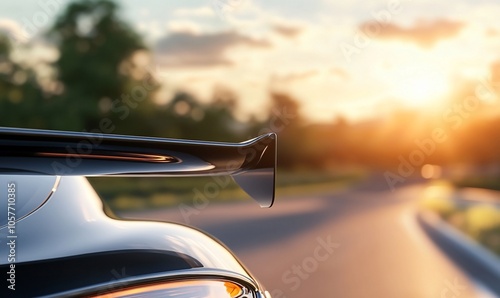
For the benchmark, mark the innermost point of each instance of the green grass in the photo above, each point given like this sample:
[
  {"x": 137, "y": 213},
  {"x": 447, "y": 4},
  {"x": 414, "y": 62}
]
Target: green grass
[
  {"x": 147, "y": 193},
  {"x": 121, "y": 194},
  {"x": 480, "y": 222},
  {"x": 488, "y": 182}
]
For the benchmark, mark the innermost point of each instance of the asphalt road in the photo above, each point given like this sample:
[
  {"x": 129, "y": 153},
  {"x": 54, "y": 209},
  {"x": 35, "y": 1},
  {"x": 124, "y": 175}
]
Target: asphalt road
[{"x": 360, "y": 242}]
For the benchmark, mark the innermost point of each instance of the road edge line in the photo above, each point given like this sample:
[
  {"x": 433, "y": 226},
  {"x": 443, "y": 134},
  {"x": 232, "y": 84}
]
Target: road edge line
[{"x": 445, "y": 230}]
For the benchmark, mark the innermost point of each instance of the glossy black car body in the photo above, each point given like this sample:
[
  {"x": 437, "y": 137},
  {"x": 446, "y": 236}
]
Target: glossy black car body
[{"x": 63, "y": 244}]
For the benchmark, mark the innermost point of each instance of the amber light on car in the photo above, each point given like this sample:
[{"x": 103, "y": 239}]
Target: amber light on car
[{"x": 185, "y": 289}]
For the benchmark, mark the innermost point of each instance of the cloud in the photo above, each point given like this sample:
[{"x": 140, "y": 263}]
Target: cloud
[
  {"x": 492, "y": 32},
  {"x": 296, "y": 76},
  {"x": 13, "y": 30},
  {"x": 190, "y": 49},
  {"x": 287, "y": 31},
  {"x": 339, "y": 73},
  {"x": 495, "y": 75},
  {"x": 184, "y": 26},
  {"x": 424, "y": 33},
  {"x": 194, "y": 12}
]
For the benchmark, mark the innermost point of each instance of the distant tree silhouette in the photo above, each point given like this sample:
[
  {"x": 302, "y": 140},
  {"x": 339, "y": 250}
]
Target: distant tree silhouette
[
  {"x": 21, "y": 100},
  {"x": 95, "y": 65}
]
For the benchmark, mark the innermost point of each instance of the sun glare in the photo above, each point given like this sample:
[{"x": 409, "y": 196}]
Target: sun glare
[{"x": 421, "y": 88}]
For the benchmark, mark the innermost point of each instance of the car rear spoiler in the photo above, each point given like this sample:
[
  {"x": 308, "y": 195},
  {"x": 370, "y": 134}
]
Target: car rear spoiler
[{"x": 252, "y": 164}]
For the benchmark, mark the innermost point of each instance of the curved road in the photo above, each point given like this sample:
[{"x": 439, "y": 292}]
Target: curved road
[{"x": 360, "y": 242}]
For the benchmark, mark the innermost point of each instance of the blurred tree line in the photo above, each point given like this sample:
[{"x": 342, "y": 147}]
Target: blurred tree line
[{"x": 101, "y": 82}]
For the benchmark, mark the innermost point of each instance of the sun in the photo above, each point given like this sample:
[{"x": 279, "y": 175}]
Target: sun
[{"x": 420, "y": 87}]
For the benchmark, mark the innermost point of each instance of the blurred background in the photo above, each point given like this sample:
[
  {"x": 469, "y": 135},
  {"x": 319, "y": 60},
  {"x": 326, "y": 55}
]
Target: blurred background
[{"x": 387, "y": 112}]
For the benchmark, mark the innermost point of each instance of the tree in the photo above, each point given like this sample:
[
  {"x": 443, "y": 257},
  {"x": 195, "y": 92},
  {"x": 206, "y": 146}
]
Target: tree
[
  {"x": 21, "y": 100},
  {"x": 286, "y": 121},
  {"x": 96, "y": 65}
]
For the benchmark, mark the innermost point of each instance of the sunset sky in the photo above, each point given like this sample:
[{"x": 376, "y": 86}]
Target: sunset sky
[{"x": 355, "y": 59}]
